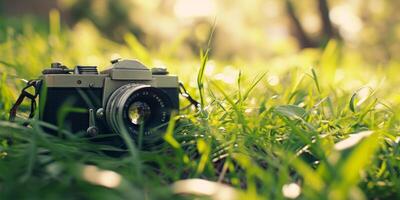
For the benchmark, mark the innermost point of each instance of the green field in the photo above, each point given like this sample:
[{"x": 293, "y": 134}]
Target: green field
[{"x": 318, "y": 124}]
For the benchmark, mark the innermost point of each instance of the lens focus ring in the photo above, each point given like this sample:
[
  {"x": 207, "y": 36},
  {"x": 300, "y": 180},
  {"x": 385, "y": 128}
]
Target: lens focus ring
[{"x": 135, "y": 108}]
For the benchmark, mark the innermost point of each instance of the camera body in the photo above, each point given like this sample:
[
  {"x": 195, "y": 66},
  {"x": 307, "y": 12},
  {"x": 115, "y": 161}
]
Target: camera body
[{"x": 127, "y": 96}]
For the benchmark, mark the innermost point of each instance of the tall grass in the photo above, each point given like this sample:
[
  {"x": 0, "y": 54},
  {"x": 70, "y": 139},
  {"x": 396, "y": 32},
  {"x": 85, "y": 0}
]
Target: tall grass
[{"x": 331, "y": 130}]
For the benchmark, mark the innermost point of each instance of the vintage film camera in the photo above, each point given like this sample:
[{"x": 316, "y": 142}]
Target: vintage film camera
[{"x": 125, "y": 97}]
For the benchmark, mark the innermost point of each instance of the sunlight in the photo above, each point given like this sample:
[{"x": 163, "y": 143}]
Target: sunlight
[
  {"x": 349, "y": 23},
  {"x": 363, "y": 95},
  {"x": 106, "y": 178},
  {"x": 216, "y": 191},
  {"x": 291, "y": 190},
  {"x": 273, "y": 80},
  {"x": 352, "y": 140},
  {"x": 257, "y": 99},
  {"x": 194, "y": 8},
  {"x": 210, "y": 67},
  {"x": 229, "y": 75}
]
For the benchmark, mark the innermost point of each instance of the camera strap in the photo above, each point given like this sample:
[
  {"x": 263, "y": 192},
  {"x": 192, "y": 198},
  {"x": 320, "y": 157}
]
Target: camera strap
[
  {"x": 35, "y": 84},
  {"x": 184, "y": 93}
]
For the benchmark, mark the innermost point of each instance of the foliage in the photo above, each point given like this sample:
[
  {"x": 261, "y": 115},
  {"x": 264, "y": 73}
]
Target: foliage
[{"x": 332, "y": 130}]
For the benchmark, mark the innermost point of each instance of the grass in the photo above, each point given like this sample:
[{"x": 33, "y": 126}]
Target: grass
[{"x": 331, "y": 130}]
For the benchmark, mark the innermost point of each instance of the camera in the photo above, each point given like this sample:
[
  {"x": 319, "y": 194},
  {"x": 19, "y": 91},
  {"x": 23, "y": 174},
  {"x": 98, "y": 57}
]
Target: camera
[{"x": 126, "y": 97}]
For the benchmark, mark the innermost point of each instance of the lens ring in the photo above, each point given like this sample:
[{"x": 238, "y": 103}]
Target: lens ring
[
  {"x": 159, "y": 104},
  {"x": 111, "y": 107},
  {"x": 160, "y": 108}
]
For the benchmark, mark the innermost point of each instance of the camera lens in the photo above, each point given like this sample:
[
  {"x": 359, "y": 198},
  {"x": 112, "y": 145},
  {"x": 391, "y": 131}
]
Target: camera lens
[
  {"x": 139, "y": 112},
  {"x": 139, "y": 109}
]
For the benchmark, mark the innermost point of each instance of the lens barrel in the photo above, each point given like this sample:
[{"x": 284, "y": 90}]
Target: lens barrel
[{"x": 139, "y": 109}]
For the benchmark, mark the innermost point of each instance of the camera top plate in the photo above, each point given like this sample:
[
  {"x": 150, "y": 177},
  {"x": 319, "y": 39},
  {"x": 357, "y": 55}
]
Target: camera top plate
[
  {"x": 120, "y": 72},
  {"x": 128, "y": 70}
]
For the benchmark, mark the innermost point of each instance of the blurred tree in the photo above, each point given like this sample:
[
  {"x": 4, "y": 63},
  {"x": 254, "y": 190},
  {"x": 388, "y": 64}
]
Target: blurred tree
[
  {"x": 328, "y": 30},
  {"x": 380, "y": 36},
  {"x": 20, "y": 7},
  {"x": 110, "y": 16},
  {"x": 298, "y": 32},
  {"x": 247, "y": 29}
]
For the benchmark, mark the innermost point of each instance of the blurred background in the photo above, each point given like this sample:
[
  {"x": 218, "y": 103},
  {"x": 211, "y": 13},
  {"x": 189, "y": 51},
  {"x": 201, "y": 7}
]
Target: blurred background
[
  {"x": 247, "y": 30},
  {"x": 351, "y": 43},
  {"x": 334, "y": 61}
]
